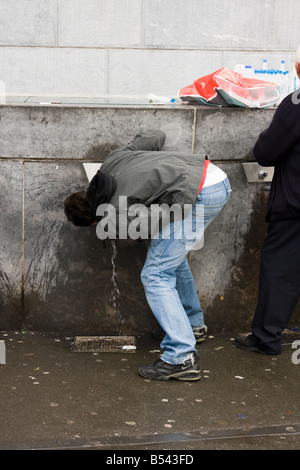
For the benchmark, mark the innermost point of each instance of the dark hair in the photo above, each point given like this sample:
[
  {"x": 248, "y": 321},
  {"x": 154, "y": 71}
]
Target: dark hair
[{"x": 78, "y": 209}]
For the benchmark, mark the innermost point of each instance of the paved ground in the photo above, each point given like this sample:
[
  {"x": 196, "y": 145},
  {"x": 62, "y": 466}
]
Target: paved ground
[{"x": 54, "y": 398}]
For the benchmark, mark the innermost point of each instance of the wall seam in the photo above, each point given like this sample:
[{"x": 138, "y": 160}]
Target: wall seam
[
  {"x": 194, "y": 130},
  {"x": 23, "y": 246}
]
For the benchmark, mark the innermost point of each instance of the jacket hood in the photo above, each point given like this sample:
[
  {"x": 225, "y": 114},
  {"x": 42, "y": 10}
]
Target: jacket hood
[{"x": 100, "y": 190}]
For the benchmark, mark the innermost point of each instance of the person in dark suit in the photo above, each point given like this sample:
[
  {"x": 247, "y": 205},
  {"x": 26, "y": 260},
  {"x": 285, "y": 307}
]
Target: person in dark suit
[{"x": 279, "y": 281}]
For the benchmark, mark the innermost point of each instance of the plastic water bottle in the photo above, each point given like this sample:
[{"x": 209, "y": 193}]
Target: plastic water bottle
[
  {"x": 245, "y": 70},
  {"x": 283, "y": 81},
  {"x": 271, "y": 75},
  {"x": 266, "y": 75},
  {"x": 280, "y": 81},
  {"x": 286, "y": 83},
  {"x": 248, "y": 71},
  {"x": 265, "y": 64},
  {"x": 257, "y": 74},
  {"x": 282, "y": 66},
  {"x": 239, "y": 68},
  {"x": 293, "y": 80},
  {"x": 161, "y": 99}
]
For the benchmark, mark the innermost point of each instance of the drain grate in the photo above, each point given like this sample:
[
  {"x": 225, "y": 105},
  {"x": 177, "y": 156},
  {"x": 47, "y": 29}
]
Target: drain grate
[
  {"x": 289, "y": 336},
  {"x": 124, "y": 344}
]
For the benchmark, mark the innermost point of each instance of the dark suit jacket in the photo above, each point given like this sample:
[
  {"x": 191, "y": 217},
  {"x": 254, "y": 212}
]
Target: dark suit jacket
[{"x": 279, "y": 146}]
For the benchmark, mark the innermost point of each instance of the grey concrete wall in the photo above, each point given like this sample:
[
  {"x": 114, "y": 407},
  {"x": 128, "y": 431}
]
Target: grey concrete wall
[
  {"x": 136, "y": 47},
  {"x": 55, "y": 277}
]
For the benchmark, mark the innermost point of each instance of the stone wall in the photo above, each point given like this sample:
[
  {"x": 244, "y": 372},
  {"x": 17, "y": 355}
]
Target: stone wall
[
  {"x": 136, "y": 47},
  {"x": 55, "y": 277}
]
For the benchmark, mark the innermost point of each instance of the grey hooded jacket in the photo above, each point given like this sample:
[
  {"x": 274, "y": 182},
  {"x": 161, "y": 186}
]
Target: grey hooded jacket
[{"x": 149, "y": 176}]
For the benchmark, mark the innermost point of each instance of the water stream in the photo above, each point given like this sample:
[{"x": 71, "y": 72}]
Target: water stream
[{"x": 115, "y": 292}]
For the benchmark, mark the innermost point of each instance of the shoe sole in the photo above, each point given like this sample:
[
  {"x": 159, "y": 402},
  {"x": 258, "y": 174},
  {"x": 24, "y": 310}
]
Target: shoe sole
[
  {"x": 248, "y": 348},
  {"x": 200, "y": 336},
  {"x": 199, "y": 340},
  {"x": 188, "y": 377},
  {"x": 254, "y": 349}
]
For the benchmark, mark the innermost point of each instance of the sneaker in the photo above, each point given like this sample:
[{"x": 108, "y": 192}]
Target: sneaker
[
  {"x": 250, "y": 343},
  {"x": 188, "y": 370},
  {"x": 200, "y": 333}
]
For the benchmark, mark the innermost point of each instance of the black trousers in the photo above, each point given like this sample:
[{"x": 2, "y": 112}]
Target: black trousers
[{"x": 279, "y": 283}]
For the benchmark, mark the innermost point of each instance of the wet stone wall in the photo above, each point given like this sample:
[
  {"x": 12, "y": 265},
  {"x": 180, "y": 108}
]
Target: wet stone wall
[{"x": 58, "y": 278}]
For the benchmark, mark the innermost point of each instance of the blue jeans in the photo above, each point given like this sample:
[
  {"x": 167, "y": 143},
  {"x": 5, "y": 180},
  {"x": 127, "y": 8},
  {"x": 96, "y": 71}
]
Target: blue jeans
[{"x": 168, "y": 281}]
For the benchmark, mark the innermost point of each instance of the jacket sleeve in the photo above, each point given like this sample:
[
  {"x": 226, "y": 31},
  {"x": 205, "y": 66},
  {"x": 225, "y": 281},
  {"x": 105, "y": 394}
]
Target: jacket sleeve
[
  {"x": 150, "y": 140},
  {"x": 275, "y": 142}
]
